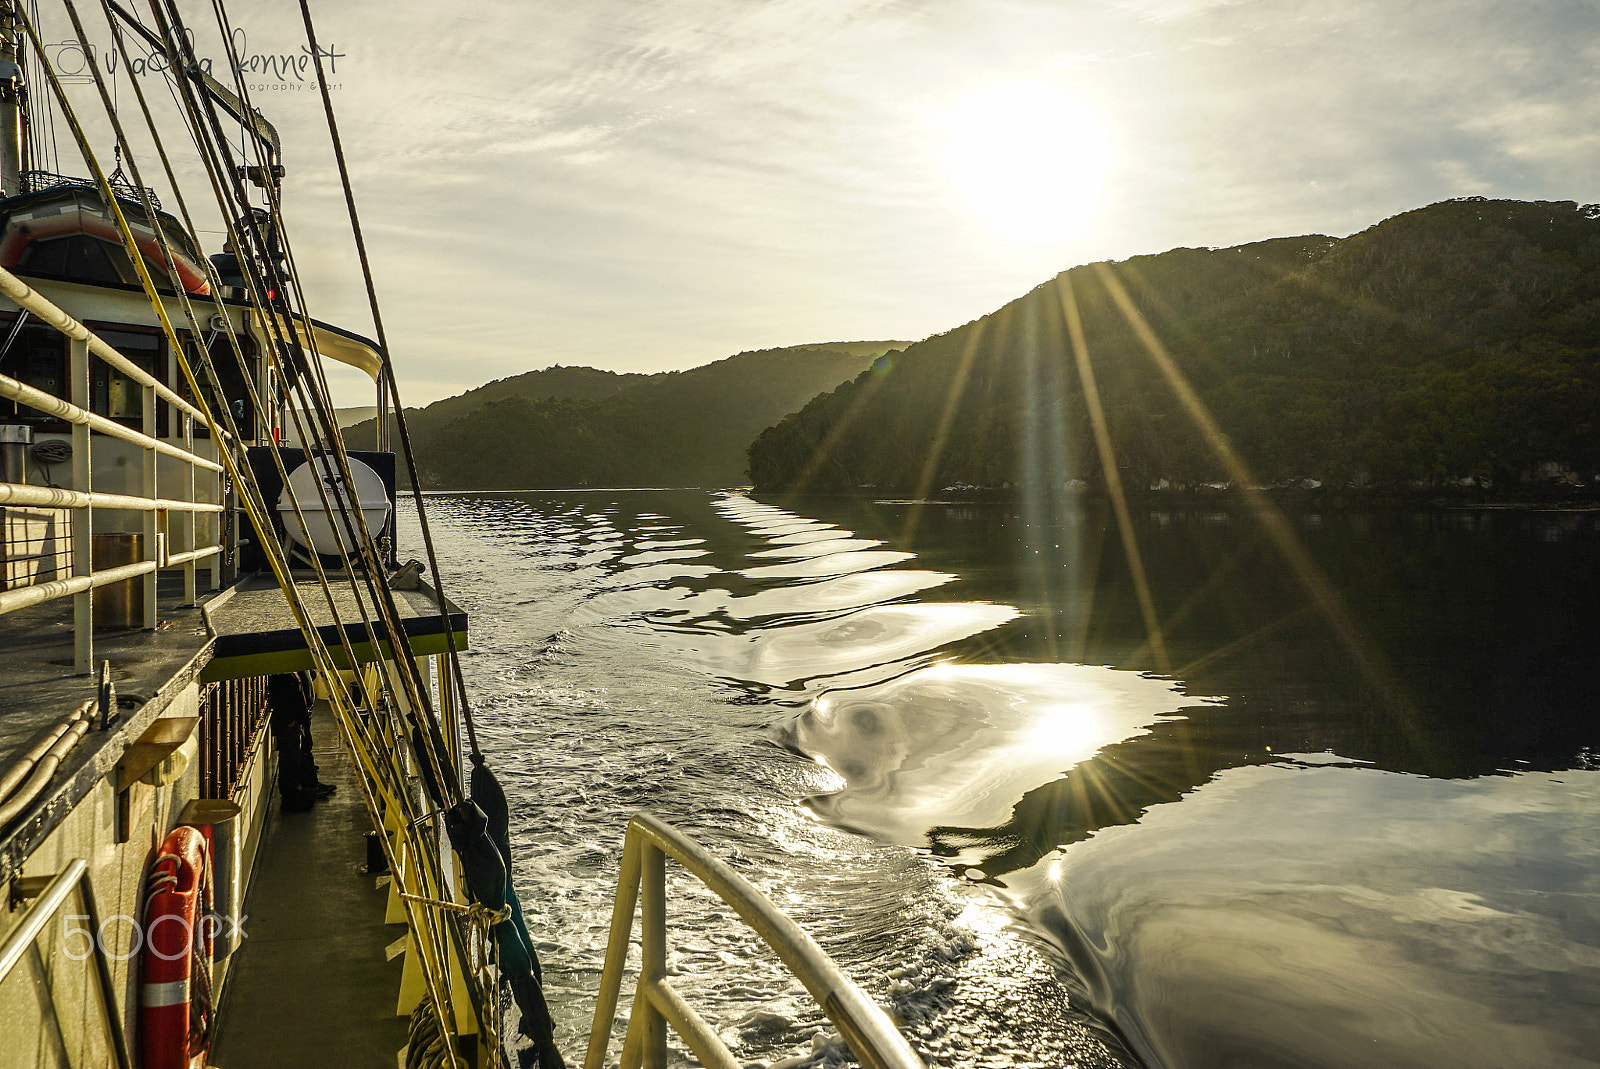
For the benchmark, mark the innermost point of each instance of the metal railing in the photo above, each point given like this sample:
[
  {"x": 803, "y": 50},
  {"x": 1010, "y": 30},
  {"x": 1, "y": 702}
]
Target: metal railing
[
  {"x": 233, "y": 714},
  {"x": 52, "y": 893},
  {"x": 38, "y": 181},
  {"x": 872, "y": 1037},
  {"x": 82, "y": 498}
]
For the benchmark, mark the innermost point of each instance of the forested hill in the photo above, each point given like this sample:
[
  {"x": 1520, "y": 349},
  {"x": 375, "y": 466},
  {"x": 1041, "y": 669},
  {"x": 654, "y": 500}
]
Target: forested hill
[
  {"x": 570, "y": 427},
  {"x": 570, "y": 383},
  {"x": 1458, "y": 341}
]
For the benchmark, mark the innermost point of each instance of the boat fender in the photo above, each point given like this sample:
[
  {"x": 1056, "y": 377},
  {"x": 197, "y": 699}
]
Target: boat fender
[
  {"x": 519, "y": 962},
  {"x": 175, "y": 964}
]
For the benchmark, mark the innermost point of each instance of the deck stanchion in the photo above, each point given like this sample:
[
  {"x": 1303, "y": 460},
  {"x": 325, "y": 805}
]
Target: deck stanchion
[
  {"x": 653, "y": 946},
  {"x": 605, "y": 1009},
  {"x": 191, "y": 528},
  {"x": 83, "y": 522},
  {"x": 151, "y": 525}
]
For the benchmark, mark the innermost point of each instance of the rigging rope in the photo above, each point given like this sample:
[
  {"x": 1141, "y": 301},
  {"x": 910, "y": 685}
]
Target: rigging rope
[
  {"x": 518, "y": 957},
  {"x": 418, "y": 741},
  {"x": 388, "y": 368},
  {"x": 427, "y": 728},
  {"x": 251, "y": 501}
]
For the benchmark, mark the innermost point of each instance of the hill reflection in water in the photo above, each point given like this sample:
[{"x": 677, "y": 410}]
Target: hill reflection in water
[
  {"x": 1307, "y": 870},
  {"x": 1258, "y": 858}
]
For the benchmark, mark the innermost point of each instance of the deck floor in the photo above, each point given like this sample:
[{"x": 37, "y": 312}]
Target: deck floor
[
  {"x": 258, "y": 634},
  {"x": 40, "y": 687},
  {"x": 310, "y": 985}
]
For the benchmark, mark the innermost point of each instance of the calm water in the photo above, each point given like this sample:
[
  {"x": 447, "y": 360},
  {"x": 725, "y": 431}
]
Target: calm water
[{"x": 941, "y": 737}]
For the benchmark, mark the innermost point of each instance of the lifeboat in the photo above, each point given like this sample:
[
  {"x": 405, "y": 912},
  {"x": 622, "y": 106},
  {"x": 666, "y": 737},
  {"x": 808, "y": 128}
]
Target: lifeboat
[{"x": 67, "y": 231}]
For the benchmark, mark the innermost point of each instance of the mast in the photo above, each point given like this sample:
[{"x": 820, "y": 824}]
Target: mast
[{"x": 13, "y": 118}]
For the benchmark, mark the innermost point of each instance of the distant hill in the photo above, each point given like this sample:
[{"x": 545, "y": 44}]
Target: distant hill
[
  {"x": 570, "y": 383},
  {"x": 346, "y": 418},
  {"x": 1456, "y": 342},
  {"x": 576, "y": 426}
]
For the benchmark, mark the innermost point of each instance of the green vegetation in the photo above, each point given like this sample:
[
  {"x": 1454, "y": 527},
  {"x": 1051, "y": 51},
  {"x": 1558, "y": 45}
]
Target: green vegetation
[
  {"x": 1456, "y": 342},
  {"x": 576, "y": 426}
]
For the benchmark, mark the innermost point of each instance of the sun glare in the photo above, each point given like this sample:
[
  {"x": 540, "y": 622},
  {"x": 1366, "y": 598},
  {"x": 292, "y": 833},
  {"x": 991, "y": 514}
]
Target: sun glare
[{"x": 1029, "y": 159}]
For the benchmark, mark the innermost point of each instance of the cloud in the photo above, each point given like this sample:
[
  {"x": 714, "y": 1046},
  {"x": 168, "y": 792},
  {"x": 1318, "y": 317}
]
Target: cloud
[{"x": 657, "y": 184}]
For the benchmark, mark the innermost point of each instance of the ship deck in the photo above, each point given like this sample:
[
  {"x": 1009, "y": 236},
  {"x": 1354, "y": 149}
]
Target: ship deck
[
  {"x": 246, "y": 630},
  {"x": 311, "y": 983},
  {"x": 257, "y": 633},
  {"x": 148, "y": 669},
  {"x": 40, "y": 688}
]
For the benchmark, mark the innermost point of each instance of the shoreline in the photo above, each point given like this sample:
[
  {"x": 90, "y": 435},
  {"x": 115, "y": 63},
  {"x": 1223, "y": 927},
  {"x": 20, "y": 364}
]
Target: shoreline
[{"x": 1566, "y": 499}]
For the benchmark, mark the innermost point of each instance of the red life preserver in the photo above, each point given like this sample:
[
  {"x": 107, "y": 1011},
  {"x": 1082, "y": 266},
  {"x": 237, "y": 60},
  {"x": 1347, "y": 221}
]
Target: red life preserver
[{"x": 175, "y": 981}]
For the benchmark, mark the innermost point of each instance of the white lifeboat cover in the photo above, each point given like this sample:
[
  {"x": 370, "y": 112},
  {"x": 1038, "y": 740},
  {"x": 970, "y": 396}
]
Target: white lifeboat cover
[{"x": 320, "y": 531}]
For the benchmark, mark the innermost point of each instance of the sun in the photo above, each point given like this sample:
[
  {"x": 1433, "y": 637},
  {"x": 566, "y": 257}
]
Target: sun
[{"x": 1029, "y": 159}]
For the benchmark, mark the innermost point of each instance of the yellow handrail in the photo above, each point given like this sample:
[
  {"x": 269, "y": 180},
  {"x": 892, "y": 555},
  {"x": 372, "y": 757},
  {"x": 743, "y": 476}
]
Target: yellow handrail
[{"x": 873, "y": 1038}]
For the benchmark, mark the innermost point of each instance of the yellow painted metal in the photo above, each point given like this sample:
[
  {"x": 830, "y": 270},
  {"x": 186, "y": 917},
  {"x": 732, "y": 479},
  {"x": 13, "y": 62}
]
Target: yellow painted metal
[
  {"x": 395, "y": 911},
  {"x": 466, "y": 1018},
  {"x": 876, "y": 1043},
  {"x": 300, "y": 659},
  {"x": 413, "y": 989},
  {"x": 341, "y": 347}
]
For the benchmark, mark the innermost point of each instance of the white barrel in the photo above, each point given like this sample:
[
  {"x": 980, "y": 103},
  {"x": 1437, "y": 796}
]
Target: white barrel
[{"x": 322, "y": 532}]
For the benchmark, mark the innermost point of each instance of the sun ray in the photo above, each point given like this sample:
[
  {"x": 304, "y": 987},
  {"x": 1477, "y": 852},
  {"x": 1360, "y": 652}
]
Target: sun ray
[
  {"x": 823, "y": 453},
  {"x": 1108, "y": 467},
  {"x": 953, "y": 397},
  {"x": 1373, "y": 664},
  {"x": 1246, "y": 641}
]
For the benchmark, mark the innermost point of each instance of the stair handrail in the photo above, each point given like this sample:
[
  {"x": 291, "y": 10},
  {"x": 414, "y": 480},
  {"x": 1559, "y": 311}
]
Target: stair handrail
[{"x": 871, "y": 1036}]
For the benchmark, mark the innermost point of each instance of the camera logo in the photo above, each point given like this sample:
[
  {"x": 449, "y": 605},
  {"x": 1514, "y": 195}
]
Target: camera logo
[{"x": 72, "y": 62}]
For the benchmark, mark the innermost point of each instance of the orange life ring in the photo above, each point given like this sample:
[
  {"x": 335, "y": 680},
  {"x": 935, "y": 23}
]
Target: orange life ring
[{"x": 175, "y": 981}]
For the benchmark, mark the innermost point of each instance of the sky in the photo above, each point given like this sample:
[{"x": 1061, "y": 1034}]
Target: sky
[{"x": 643, "y": 185}]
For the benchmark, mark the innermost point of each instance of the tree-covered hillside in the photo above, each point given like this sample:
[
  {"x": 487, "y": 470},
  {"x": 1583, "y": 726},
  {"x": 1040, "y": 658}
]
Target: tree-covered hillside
[
  {"x": 1459, "y": 341},
  {"x": 584, "y": 427},
  {"x": 567, "y": 383}
]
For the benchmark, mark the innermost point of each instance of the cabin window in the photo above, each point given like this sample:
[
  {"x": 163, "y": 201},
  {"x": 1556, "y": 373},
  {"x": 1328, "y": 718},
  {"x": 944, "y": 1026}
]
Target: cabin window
[
  {"x": 78, "y": 257},
  {"x": 119, "y": 397},
  {"x": 37, "y": 357},
  {"x": 233, "y": 393}
]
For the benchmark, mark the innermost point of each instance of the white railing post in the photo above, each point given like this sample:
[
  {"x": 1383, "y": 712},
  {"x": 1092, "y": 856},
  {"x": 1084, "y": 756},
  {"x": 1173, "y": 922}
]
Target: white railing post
[
  {"x": 605, "y": 1009},
  {"x": 83, "y": 522},
  {"x": 216, "y": 526},
  {"x": 151, "y": 526},
  {"x": 77, "y": 409},
  {"x": 191, "y": 527}
]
